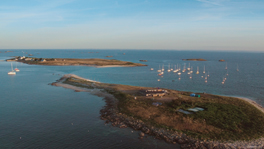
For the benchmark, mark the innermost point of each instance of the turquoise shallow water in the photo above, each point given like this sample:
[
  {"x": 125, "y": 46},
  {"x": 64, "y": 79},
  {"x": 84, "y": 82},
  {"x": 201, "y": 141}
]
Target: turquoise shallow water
[{"x": 52, "y": 117}]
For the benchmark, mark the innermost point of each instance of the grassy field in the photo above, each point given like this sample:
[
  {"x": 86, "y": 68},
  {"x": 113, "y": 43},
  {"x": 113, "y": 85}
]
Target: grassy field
[{"x": 223, "y": 118}]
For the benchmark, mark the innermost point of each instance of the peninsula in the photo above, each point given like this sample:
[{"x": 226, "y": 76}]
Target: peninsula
[
  {"x": 70, "y": 61},
  {"x": 194, "y": 121},
  {"x": 193, "y": 59}
]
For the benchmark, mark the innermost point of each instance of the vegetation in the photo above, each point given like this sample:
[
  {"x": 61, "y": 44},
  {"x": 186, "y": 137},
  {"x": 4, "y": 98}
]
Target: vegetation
[
  {"x": 223, "y": 118},
  {"x": 70, "y": 61}
]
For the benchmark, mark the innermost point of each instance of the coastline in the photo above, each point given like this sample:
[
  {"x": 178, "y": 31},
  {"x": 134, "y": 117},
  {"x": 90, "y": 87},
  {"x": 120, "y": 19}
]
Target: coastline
[
  {"x": 252, "y": 102},
  {"x": 111, "y": 115},
  {"x": 92, "y": 62},
  {"x": 113, "y": 66}
]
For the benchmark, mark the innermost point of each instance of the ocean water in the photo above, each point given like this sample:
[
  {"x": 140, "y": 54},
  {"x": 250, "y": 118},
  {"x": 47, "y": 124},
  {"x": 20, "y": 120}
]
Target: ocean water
[{"x": 36, "y": 115}]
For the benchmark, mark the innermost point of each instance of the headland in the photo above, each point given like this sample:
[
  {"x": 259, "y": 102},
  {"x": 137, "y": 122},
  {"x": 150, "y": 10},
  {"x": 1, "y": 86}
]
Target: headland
[
  {"x": 212, "y": 121},
  {"x": 70, "y": 61}
]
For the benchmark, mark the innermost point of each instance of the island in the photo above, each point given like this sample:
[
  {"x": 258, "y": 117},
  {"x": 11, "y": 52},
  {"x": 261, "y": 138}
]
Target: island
[
  {"x": 198, "y": 59},
  {"x": 143, "y": 60},
  {"x": 193, "y": 120},
  {"x": 70, "y": 61},
  {"x": 221, "y": 60}
]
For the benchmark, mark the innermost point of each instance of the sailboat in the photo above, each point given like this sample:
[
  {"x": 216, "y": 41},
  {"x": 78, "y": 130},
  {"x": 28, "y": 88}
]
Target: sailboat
[
  {"x": 12, "y": 72},
  {"x": 189, "y": 68},
  {"x": 204, "y": 69},
  {"x": 159, "y": 69},
  {"x": 162, "y": 69},
  {"x": 184, "y": 68},
  {"x": 175, "y": 70},
  {"x": 16, "y": 69},
  {"x": 237, "y": 68},
  {"x": 226, "y": 66},
  {"x": 197, "y": 72},
  {"x": 169, "y": 68}
]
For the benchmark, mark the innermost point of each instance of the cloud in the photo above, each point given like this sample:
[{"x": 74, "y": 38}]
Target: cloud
[{"x": 212, "y": 2}]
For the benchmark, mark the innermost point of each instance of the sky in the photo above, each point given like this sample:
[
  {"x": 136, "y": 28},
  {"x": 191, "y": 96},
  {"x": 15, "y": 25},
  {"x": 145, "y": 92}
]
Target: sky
[{"x": 214, "y": 25}]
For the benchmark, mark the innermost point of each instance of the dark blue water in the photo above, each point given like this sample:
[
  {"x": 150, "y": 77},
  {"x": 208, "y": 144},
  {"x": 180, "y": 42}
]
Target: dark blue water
[{"x": 52, "y": 117}]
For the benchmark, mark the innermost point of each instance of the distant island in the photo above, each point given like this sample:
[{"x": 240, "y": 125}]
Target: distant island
[
  {"x": 143, "y": 60},
  {"x": 198, "y": 59},
  {"x": 70, "y": 61},
  {"x": 221, "y": 60},
  {"x": 194, "y": 120}
]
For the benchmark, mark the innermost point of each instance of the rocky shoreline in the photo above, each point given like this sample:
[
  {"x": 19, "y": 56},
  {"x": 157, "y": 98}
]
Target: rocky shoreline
[{"x": 111, "y": 115}]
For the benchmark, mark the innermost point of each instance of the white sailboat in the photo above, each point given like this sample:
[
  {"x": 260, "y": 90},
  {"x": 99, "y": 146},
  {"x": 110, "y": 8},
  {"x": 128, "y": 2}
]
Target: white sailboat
[
  {"x": 189, "y": 68},
  {"x": 159, "y": 69},
  {"x": 197, "y": 72},
  {"x": 226, "y": 66},
  {"x": 12, "y": 72},
  {"x": 184, "y": 67},
  {"x": 175, "y": 70},
  {"x": 204, "y": 69},
  {"x": 169, "y": 68},
  {"x": 162, "y": 69},
  {"x": 179, "y": 69}
]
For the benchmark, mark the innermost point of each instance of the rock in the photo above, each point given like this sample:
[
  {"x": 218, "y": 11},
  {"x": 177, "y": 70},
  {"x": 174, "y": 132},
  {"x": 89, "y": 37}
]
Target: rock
[
  {"x": 123, "y": 126},
  {"x": 145, "y": 130},
  {"x": 141, "y": 134},
  {"x": 209, "y": 146},
  {"x": 201, "y": 146},
  {"x": 181, "y": 141},
  {"x": 54, "y": 84},
  {"x": 186, "y": 146}
]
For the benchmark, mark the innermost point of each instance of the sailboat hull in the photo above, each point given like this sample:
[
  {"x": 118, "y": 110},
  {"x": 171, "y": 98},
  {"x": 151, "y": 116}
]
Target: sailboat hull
[{"x": 11, "y": 73}]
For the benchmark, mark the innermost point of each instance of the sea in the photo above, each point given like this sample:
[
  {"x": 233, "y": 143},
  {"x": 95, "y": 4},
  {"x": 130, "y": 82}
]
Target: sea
[{"x": 34, "y": 114}]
